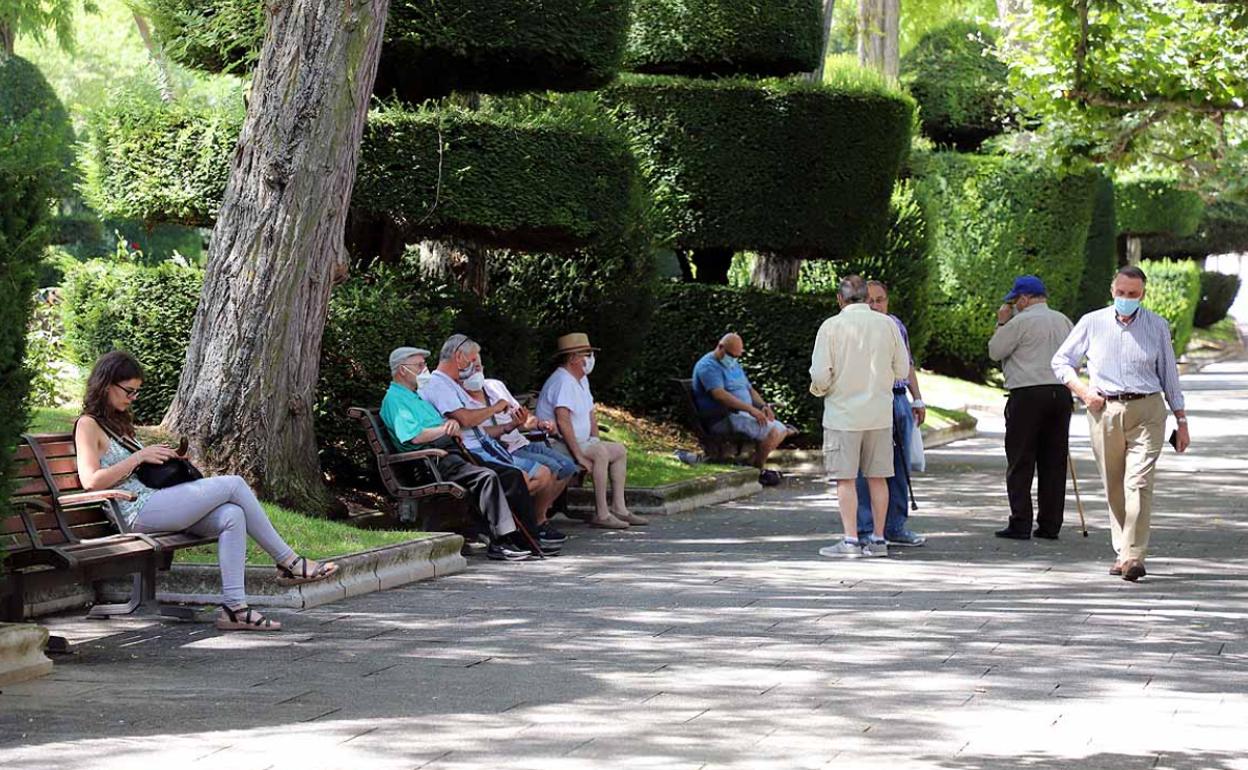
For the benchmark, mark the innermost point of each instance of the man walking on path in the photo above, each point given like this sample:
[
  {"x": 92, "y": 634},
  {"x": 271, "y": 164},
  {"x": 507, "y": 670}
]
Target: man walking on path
[
  {"x": 905, "y": 417},
  {"x": 1037, "y": 414},
  {"x": 1130, "y": 364},
  {"x": 858, "y": 355}
]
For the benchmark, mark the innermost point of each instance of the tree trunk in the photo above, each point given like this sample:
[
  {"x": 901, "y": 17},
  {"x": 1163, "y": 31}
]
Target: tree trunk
[
  {"x": 711, "y": 265},
  {"x": 163, "y": 81},
  {"x": 463, "y": 262},
  {"x": 7, "y": 41},
  {"x": 828, "y": 7},
  {"x": 773, "y": 272},
  {"x": 247, "y": 389},
  {"x": 878, "y": 41}
]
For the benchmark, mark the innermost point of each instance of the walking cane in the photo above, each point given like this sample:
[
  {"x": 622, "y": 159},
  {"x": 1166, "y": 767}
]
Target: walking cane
[{"x": 1070, "y": 463}]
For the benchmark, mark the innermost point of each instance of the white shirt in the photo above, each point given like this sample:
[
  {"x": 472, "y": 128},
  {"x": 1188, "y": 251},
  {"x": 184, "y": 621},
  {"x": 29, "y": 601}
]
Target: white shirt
[
  {"x": 562, "y": 388},
  {"x": 858, "y": 356},
  {"x": 445, "y": 395}
]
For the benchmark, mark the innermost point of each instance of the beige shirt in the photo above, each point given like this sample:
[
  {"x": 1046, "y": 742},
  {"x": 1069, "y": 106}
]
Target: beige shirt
[
  {"x": 1026, "y": 343},
  {"x": 858, "y": 355}
]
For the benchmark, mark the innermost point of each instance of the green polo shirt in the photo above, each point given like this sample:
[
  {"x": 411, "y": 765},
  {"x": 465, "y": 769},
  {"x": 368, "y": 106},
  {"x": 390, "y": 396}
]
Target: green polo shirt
[{"x": 406, "y": 414}]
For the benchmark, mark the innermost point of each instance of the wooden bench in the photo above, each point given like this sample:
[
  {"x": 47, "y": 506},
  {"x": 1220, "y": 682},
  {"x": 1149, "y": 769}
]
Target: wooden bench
[{"x": 717, "y": 447}]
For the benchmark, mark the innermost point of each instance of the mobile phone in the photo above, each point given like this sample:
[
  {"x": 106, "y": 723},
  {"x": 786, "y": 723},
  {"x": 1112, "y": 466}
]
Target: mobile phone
[{"x": 1174, "y": 439}]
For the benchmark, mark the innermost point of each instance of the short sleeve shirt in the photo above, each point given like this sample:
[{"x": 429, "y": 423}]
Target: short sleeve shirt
[
  {"x": 405, "y": 414},
  {"x": 562, "y": 388},
  {"x": 710, "y": 373},
  {"x": 905, "y": 337},
  {"x": 447, "y": 396}
]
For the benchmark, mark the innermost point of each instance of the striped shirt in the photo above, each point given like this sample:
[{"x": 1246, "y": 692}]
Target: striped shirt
[{"x": 1136, "y": 357}]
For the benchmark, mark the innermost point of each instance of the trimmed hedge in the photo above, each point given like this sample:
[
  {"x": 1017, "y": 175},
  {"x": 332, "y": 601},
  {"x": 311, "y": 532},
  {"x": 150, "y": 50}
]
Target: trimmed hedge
[
  {"x": 1217, "y": 294},
  {"x": 995, "y": 218},
  {"x": 703, "y": 38},
  {"x": 1223, "y": 229},
  {"x": 788, "y": 167},
  {"x": 1151, "y": 206},
  {"x": 960, "y": 84},
  {"x": 432, "y": 47},
  {"x": 1172, "y": 292},
  {"x": 1101, "y": 250},
  {"x": 688, "y": 321},
  {"x": 160, "y": 162},
  {"x": 904, "y": 266}
]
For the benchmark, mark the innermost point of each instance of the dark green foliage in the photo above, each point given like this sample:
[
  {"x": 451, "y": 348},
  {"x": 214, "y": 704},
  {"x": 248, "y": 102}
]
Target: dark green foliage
[
  {"x": 1173, "y": 293},
  {"x": 1217, "y": 294},
  {"x": 688, "y": 321},
  {"x": 432, "y": 47},
  {"x": 35, "y": 142},
  {"x": 1151, "y": 206},
  {"x": 905, "y": 266},
  {"x": 702, "y": 38},
  {"x": 144, "y": 310},
  {"x": 959, "y": 83},
  {"x": 995, "y": 218},
  {"x": 1101, "y": 250},
  {"x": 786, "y": 167},
  {"x": 1223, "y": 229},
  {"x": 160, "y": 162}
]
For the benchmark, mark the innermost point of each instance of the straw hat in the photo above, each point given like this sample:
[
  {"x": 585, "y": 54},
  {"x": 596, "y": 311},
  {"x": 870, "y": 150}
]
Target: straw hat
[{"x": 577, "y": 342}]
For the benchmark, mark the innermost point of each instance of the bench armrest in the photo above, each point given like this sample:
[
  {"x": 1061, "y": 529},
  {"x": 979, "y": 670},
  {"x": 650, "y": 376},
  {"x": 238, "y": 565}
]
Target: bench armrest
[
  {"x": 419, "y": 454},
  {"x": 96, "y": 496}
]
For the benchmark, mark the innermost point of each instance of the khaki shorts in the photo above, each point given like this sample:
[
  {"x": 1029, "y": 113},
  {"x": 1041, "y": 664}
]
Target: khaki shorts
[{"x": 845, "y": 452}]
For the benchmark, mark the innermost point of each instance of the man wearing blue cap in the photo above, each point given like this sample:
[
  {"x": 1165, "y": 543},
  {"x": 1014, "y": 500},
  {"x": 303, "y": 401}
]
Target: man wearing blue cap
[{"x": 1037, "y": 413}]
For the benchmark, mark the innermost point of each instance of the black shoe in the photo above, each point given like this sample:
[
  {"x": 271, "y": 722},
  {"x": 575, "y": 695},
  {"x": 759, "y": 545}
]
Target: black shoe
[
  {"x": 1010, "y": 534},
  {"x": 548, "y": 535},
  {"x": 770, "y": 478},
  {"x": 1044, "y": 535},
  {"x": 502, "y": 550}
]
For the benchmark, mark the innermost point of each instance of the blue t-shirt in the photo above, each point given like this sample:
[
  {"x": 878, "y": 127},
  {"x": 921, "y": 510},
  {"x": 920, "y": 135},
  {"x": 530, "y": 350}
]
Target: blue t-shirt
[
  {"x": 406, "y": 414},
  {"x": 710, "y": 373}
]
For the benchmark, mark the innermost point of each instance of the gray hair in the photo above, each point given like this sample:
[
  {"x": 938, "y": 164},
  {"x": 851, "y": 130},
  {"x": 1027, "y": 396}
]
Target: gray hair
[
  {"x": 852, "y": 289},
  {"x": 458, "y": 343}
]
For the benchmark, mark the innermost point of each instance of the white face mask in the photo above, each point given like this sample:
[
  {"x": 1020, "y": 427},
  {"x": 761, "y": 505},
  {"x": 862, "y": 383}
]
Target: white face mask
[
  {"x": 589, "y": 363},
  {"x": 475, "y": 381},
  {"x": 423, "y": 378}
]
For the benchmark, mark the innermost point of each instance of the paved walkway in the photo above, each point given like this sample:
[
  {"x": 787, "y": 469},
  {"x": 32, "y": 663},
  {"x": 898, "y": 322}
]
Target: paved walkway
[{"x": 720, "y": 639}]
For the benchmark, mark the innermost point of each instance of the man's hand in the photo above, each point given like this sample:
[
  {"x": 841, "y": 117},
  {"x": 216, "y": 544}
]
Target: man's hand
[
  {"x": 920, "y": 414},
  {"x": 451, "y": 428},
  {"x": 1005, "y": 313},
  {"x": 1185, "y": 439},
  {"x": 1093, "y": 400},
  {"x": 771, "y": 413},
  {"x": 758, "y": 415},
  {"x": 520, "y": 415},
  {"x": 586, "y": 463}
]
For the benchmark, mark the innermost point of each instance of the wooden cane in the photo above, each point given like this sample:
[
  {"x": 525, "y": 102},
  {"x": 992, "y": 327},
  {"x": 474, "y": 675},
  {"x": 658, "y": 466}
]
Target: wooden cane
[{"x": 1083, "y": 524}]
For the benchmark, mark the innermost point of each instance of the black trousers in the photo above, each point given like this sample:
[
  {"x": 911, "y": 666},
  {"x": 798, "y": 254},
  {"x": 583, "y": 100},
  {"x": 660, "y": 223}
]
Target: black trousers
[
  {"x": 1037, "y": 439},
  {"x": 499, "y": 492}
]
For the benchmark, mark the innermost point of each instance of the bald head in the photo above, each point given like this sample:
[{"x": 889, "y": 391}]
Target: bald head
[{"x": 731, "y": 344}]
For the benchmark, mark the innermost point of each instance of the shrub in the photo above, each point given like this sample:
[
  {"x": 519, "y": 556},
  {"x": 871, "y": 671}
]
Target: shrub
[
  {"x": 1223, "y": 229},
  {"x": 788, "y": 167},
  {"x": 1100, "y": 251},
  {"x": 1173, "y": 292},
  {"x": 995, "y": 218},
  {"x": 431, "y": 47},
  {"x": 959, "y": 83},
  {"x": 1150, "y": 206},
  {"x": 1217, "y": 294},
  {"x": 688, "y": 321},
  {"x": 703, "y": 38}
]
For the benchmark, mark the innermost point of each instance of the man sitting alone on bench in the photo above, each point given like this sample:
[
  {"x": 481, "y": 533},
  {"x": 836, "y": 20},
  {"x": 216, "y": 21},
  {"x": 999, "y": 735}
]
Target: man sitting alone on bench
[{"x": 727, "y": 403}]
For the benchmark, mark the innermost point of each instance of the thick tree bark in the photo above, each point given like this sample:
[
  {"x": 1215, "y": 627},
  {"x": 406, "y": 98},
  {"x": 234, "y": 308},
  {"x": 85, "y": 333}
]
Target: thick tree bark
[
  {"x": 246, "y": 394},
  {"x": 773, "y": 272},
  {"x": 465, "y": 263},
  {"x": 878, "y": 41}
]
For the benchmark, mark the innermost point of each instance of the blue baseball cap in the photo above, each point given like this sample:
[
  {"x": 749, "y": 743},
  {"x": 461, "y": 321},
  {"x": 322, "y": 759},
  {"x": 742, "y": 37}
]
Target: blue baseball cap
[{"x": 1026, "y": 284}]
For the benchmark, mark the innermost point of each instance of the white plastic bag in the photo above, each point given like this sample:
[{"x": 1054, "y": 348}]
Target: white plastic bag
[{"x": 918, "y": 461}]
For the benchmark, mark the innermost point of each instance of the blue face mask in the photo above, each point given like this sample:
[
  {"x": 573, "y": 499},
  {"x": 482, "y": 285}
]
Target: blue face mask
[
  {"x": 731, "y": 362},
  {"x": 1125, "y": 307}
]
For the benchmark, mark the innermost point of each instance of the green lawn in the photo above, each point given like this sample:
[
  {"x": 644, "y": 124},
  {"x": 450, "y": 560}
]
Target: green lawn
[
  {"x": 939, "y": 417},
  {"x": 52, "y": 419},
  {"x": 651, "y": 462},
  {"x": 954, "y": 394},
  {"x": 1217, "y": 336}
]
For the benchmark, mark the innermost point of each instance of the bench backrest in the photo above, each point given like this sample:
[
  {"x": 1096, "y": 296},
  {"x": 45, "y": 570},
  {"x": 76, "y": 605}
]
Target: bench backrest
[
  {"x": 378, "y": 441},
  {"x": 46, "y": 468},
  {"x": 692, "y": 419}
]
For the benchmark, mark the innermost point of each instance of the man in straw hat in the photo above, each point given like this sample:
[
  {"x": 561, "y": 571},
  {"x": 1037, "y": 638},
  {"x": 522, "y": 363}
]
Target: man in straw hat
[{"x": 567, "y": 401}]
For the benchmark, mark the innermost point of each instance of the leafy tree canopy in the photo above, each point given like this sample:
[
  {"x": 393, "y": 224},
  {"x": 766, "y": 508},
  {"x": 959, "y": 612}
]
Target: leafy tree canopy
[{"x": 36, "y": 18}]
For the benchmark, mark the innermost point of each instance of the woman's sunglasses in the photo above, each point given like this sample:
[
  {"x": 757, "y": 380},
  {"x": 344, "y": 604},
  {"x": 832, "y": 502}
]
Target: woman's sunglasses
[{"x": 130, "y": 392}]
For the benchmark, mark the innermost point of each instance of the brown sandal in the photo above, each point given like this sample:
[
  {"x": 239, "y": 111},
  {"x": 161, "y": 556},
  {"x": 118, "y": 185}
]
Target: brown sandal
[
  {"x": 245, "y": 619},
  {"x": 297, "y": 572}
]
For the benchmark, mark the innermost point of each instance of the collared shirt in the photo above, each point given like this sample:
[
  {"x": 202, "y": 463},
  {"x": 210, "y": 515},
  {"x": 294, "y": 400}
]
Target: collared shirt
[
  {"x": 1137, "y": 357},
  {"x": 711, "y": 373},
  {"x": 1026, "y": 343},
  {"x": 858, "y": 356},
  {"x": 406, "y": 414},
  {"x": 904, "y": 382},
  {"x": 562, "y": 388},
  {"x": 447, "y": 396}
]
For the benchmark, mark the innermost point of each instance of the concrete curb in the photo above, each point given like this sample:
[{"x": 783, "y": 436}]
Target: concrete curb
[
  {"x": 21, "y": 653},
  {"x": 811, "y": 460},
  {"x": 680, "y": 496},
  {"x": 359, "y": 573}
]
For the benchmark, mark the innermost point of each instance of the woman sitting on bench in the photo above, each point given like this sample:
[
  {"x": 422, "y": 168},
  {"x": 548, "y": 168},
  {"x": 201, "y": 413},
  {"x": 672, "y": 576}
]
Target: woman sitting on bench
[{"x": 223, "y": 506}]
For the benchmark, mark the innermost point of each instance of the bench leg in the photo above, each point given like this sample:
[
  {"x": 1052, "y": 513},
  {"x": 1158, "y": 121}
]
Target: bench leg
[
  {"x": 408, "y": 511},
  {"x": 122, "y": 608}
]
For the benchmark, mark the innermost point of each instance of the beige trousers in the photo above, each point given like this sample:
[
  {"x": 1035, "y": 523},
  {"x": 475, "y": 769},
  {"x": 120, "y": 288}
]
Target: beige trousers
[{"x": 1127, "y": 438}]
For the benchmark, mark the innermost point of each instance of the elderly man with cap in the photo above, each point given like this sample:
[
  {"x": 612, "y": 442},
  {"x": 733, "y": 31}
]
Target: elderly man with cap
[
  {"x": 727, "y": 403},
  {"x": 567, "y": 401},
  {"x": 414, "y": 424},
  {"x": 1037, "y": 413}
]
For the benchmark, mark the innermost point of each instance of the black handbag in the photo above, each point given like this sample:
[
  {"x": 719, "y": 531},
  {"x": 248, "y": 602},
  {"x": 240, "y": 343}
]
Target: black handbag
[{"x": 170, "y": 473}]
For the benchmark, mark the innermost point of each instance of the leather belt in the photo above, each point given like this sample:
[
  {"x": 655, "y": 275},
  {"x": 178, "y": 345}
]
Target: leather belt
[{"x": 1127, "y": 396}]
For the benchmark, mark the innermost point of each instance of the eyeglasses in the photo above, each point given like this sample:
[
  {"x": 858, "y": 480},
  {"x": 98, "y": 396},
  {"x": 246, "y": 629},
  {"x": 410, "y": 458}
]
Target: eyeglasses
[{"x": 130, "y": 392}]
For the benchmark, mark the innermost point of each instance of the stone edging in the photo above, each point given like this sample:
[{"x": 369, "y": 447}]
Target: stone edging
[
  {"x": 679, "y": 496},
  {"x": 21, "y": 652},
  {"x": 811, "y": 460}
]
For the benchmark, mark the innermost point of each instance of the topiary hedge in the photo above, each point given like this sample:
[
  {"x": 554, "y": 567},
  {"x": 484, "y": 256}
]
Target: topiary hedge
[
  {"x": 1100, "y": 251},
  {"x": 1217, "y": 294},
  {"x": 702, "y": 38},
  {"x": 1172, "y": 292},
  {"x": 431, "y": 47},
  {"x": 788, "y": 167},
  {"x": 959, "y": 83},
  {"x": 688, "y": 321},
  {"x": 1150, "y": 206},
  {"x": 1223, "y": 229},
  {"x": 995, "y": 218}
]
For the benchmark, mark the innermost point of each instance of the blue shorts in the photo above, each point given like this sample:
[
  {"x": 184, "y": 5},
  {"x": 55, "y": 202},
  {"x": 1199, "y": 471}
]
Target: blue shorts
[
  {"x": 740, "y": 422},
  {"x": 560, "y": 464}
]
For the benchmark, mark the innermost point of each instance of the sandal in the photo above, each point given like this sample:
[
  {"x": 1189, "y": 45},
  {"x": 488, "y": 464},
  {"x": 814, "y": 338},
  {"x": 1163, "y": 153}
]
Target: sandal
[
  {"x": 245, "y": 619},
  {"x": 296, "y": 573}
]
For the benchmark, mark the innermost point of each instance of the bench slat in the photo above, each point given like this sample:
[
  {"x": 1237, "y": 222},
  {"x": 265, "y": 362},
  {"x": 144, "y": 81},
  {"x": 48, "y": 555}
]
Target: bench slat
[
  {"x": 73, "y": 517},
  {"x": 37, "y": 486}
]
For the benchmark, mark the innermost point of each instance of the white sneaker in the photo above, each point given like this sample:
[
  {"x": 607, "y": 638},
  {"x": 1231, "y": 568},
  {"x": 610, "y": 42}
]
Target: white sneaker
[
  {"x": 875, "y": 548},
  {"x": 842, "y": 550}
]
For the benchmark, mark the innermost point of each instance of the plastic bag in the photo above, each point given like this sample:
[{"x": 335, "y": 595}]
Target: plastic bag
[{"x": 918, "y": 461}]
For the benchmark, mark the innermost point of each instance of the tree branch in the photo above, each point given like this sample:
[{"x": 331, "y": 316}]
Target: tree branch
[{"x": 1150, "y": 102}]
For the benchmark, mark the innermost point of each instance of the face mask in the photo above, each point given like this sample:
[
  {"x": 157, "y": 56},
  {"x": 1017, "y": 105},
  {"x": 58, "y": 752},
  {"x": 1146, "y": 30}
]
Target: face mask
[
  {"x": 731, "y": 362},
  {"x": 1124, "y": 306},
  {"x": 466, "y": 372},
  {"x": 589, "y": 364},
  {"x": 475, "y": 381},
  {"x": 423, "y": 378}
]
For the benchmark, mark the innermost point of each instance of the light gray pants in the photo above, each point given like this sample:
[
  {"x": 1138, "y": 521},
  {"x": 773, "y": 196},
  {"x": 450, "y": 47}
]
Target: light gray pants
[{"x": 223, "y": 507}]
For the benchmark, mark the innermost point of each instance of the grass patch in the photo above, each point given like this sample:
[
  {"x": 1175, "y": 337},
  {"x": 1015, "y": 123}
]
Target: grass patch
[
  {"x": 650, "y": 446},
  {"x": 939, "y": 417},
  {"x": 314, "y": 538},
  {"x": 58, "y": 419},
  {"x": 1217, "y": 337},
  {"x": 955, "y": 395}
]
